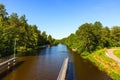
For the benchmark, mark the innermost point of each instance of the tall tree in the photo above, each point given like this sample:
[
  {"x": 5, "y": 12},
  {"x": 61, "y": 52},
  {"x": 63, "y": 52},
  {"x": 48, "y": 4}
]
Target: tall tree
[
  {"x": 14, "y": 28},
  {"x": 3, "y": 13},
  {"x": 44, "y": 35},
  {"x": 50, "y": 39},
  {"x": 97, "y": 31},
  {"x": 115, "y": 36},
  {"x": 86, "y": 37},
  {"x": 105, "y": 37},
  {"x": 24, "y": 31},
  {"x": 3, "y": 27}
]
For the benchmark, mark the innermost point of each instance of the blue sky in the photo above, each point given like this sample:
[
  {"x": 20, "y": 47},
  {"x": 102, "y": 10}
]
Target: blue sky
[{"x": 63, "y": 17}]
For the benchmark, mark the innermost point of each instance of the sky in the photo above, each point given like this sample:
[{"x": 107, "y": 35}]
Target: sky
[{"x": 60, "y": 18}]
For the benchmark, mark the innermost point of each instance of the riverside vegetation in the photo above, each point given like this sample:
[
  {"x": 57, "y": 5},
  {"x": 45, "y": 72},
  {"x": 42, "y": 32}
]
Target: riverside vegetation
[
  {"x": 117, "y": 52},
  {"x": 14, "y": 28},
  {"x": 91, "y": 42},
  {"x": 105, "y": 64}
]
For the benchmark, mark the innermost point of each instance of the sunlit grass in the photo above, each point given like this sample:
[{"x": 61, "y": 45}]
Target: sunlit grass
[
  {"x": 117, "y": 52},
  {"x": 105, "y": 64}
]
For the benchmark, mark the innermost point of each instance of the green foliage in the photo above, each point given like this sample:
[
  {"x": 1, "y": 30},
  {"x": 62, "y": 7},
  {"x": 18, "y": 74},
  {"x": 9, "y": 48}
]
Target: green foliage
[
  {"x": 105, "y": 64},
  {"x": 117, "y": 52},
  {"x": 115, "y": 36},
  {"x": 27, "y": 36},
  {"x": 115, "y": 76},
  {"x": 51, "y": 41},
  {"x": 105, "y": 37},
  {"x": 90, "y": 37}
]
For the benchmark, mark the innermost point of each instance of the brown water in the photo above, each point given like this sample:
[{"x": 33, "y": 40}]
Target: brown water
[
  {"x": 85, "y": 70},
  {"x": 47, "y": 64}
]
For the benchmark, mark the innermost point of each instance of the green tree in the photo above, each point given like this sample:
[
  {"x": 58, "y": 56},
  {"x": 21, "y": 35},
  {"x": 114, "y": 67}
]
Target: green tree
[
  {"x": 3, "y": 26},
  {"x": 105, "y": 37},
  {"x": 50, "y": 39},
  {"x": 13, "y": 28},
  {"x": 115, "y": 36},
  {"x": 97, "y": 31},
  {"x": 90, "y": 37},
  {"x": 44, "y": 35},
  {"x": 85, "y": 34},
  {"x": 3, "y": 13}
]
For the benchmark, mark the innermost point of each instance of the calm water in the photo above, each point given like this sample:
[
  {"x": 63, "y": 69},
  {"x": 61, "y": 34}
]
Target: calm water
[
  {"x": 85, "y": 70},
  {"x": 47, "y": 64}
]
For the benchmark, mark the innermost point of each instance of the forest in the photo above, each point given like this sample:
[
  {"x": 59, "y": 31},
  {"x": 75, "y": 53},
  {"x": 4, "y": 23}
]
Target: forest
[
  {"x": 15, "y": 29},
  {"x": 91, "y": 37}
]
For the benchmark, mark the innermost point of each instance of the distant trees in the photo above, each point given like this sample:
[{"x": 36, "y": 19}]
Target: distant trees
[
  {"x": 50, "y": 39},
  {"x": 13, "y": 27},
  {"x": 90, "y": 37}
]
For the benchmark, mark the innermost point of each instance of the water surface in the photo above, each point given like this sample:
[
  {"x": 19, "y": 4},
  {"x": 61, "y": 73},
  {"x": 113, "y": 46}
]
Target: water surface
[{"x": 47, "y": 64}]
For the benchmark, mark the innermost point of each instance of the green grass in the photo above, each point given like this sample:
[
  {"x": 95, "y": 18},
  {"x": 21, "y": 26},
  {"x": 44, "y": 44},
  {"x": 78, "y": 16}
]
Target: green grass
[
  {"x": 117, "y": 52},
  {"x": 105, "y": 64}
]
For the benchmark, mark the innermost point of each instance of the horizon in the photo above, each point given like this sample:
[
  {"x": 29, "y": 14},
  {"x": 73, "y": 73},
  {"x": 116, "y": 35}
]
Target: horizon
[{"x": 60, "y": 18}]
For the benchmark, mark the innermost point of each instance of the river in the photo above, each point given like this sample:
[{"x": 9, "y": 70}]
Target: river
[{"x": 47, "y": 64}]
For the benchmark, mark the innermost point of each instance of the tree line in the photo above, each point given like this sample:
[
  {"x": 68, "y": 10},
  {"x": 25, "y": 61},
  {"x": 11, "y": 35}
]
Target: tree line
[
  {"x": 14, "y": 28},
  {"x": 90, "y": 37}
]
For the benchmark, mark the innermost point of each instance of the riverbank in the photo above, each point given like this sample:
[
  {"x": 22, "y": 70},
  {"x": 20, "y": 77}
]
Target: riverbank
[
  {"x": 105, "y": 64},
  {"x": 21, "y": 51}
]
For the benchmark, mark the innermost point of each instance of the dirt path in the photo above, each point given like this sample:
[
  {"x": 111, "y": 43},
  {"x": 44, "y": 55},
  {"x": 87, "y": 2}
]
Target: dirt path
[{"x": 110, "y": 54}]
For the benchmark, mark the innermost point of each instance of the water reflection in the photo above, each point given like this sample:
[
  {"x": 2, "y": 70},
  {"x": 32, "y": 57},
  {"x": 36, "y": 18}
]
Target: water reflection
[
  {"x": 85, "y": 70},
  {"x": 47, "y": 64},
  {"x": 11, "y": 68}
]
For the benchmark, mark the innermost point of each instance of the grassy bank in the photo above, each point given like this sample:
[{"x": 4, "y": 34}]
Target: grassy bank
[
  {"x": 105, "y": 64},
  {"x": 117, "y": 52}
]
